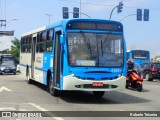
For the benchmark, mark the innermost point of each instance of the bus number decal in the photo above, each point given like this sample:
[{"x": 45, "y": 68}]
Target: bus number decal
[
  {"x": 116, "y": 70},
  {"x": 38, "y": 60}
]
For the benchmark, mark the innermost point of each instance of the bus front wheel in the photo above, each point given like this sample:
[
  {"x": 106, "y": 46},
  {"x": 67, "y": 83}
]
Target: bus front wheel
[
  {"x": 98, "y": 94},
  {"x": 52, "y": 90}
]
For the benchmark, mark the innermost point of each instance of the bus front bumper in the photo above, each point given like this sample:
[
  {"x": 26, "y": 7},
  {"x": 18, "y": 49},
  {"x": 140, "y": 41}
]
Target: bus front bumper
[{"x": 73, "y": 83}]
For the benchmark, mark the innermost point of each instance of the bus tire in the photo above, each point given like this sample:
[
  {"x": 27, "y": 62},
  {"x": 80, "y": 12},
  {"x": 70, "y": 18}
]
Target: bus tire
[
  {"x": 27, "y": 75},
  {"x": 98, "y": 94},
  {"x": 48, "y": 79},
  {"x": 52, "y": 90}
]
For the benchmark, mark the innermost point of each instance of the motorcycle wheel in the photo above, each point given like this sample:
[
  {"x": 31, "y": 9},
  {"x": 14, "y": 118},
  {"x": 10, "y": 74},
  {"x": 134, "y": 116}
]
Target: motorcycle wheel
[
  {"x": 127, "y": 84},
  {"x": 139, "y": 87}
]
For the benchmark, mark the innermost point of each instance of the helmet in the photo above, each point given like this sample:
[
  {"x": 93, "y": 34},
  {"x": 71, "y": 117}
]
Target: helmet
[{"x": 131, "y": 61}]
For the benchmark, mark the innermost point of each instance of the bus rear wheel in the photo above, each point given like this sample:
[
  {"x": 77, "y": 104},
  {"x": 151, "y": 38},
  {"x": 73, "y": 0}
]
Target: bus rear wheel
[
  {"x": 98, "y": 94},
  {"x": 27, "y": 75},
  {"x": 52, "y": 90}
]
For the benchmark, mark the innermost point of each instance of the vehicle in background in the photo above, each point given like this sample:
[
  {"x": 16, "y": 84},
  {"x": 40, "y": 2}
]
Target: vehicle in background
[
  {"x": 139, "y": 56},
  {"x": 7, "y": 57},
  {"x": 7, "y": 64},
  {"x": 7, "y": 67},
  {"x": 18, "y": 68},
  {"x": 150, "y": 70}
]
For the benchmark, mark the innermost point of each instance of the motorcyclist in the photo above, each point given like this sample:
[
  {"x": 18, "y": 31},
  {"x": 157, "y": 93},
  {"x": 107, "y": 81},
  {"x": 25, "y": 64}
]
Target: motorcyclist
[
  {"x": 130, "y": 67},
  {"x": 130, "y": 64}
]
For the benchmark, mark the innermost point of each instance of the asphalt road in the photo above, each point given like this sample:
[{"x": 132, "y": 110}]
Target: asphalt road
[{"x": 17, "y": 95}]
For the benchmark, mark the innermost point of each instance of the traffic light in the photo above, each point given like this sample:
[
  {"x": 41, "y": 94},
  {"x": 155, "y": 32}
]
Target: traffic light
[
  {"x": 119, "y": 7},
  {"x": 146, "y": 15},
  {"x": 139, "y": 14},
  {"x": 65, "y": 13},
  {"x": 75, "y": 12}
]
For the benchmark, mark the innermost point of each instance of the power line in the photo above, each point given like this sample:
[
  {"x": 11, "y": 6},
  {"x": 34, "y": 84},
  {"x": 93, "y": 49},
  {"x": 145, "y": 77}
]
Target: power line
[
  {"x": 88, "y": 3},
  {"x": 97, "y": 4}
]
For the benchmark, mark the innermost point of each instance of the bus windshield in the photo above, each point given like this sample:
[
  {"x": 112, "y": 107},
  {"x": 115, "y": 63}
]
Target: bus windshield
[
  {"x": 95, "y": 49},
  {"x": 140, "y": 54}
]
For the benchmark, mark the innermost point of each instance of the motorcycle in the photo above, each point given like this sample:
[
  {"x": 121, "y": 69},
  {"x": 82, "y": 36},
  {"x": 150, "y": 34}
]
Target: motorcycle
[{"x": 134, "y": 80}]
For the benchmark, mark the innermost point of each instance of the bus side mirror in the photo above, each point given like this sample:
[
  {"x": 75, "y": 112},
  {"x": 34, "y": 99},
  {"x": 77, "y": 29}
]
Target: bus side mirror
[{"x": 61, "y": 40}]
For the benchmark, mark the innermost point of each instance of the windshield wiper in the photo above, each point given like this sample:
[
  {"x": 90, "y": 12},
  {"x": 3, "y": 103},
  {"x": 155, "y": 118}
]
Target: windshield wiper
[
  {"x": 103, "y": 43},
  {"x": 101, "y": 48},
  {"x": 87, "y": 42}
]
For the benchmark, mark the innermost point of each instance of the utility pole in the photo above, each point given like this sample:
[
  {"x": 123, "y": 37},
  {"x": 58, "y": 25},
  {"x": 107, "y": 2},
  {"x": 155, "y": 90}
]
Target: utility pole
[{"x": 80, "y": 9}]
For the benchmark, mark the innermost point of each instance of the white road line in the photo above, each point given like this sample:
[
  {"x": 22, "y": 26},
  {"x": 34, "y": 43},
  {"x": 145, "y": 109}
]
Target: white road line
[
  {"x": 7, "y": 108},
  {"x": 4, "y": 88},
  {"x": 43, "y": 109}
]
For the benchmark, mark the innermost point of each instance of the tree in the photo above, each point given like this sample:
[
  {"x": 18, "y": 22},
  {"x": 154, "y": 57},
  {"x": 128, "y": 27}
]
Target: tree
[{"x": 15, "y": 48}]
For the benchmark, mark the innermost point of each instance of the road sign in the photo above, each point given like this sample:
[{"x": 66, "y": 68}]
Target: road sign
[{"x": 7, "y": 33}]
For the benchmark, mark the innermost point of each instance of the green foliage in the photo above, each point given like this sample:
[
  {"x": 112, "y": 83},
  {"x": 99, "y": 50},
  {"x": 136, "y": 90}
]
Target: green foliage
[{"x": 15, "y": 47}]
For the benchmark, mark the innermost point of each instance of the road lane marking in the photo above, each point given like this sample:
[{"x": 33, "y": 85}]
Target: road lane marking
[
  {"x": 43, "y": 109},
  {"x": 4, "y": 88},
  {"x": 7, "y": 108}
]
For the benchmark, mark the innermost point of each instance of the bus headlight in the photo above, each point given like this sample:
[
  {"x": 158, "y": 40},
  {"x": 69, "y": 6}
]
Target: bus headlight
[
  {"x": 72, "y": 75},
  {"x": 119, "y": 75}
]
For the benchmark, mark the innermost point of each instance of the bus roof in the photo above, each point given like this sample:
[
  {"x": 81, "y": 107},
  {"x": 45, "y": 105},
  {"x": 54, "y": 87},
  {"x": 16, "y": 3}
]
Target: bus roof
[
  {"x": 137, "y": 50},
  {"x": 34, "y": 31},
  {"x": 64, "y": 22}
]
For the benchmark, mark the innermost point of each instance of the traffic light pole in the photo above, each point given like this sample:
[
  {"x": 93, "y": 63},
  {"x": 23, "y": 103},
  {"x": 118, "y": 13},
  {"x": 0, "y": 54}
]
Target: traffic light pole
[
  {"x": 119, "y": 9},
  {"x": 112, "y": 12},
  {"x": 85, "y": 15},
  {"x": 127, "y": 16}
]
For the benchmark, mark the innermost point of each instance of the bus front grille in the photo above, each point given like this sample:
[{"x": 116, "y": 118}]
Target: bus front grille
[{"x": 90, "y": 86}]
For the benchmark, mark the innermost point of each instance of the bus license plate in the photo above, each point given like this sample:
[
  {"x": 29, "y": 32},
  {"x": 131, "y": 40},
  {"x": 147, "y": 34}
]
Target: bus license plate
[{"x": 97, "y": 84}]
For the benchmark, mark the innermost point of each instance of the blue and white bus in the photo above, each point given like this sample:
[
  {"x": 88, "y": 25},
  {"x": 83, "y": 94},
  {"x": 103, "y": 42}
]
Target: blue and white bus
[
  {"x": 139, "y": 56},
  {"x": 76, "y": 54}
]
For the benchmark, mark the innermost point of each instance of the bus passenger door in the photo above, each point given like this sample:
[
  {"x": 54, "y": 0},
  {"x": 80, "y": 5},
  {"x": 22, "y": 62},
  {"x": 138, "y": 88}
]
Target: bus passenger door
[
  {"x": 33, "y": 52},
  {"x": 57, "y": 60}
]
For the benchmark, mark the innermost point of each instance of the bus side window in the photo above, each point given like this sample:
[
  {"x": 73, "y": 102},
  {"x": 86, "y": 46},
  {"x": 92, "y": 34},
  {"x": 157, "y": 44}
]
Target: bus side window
[
  {"x": 22, "y": 47},
  {"x": 41, "y": 42},
  {"x": 49, "y": 42}
]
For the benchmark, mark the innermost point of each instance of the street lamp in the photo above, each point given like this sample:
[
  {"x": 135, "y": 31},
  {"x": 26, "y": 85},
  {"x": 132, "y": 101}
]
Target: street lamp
[
  {"x": 14, "y": 19},
  {"x": 49, "y": 16}
]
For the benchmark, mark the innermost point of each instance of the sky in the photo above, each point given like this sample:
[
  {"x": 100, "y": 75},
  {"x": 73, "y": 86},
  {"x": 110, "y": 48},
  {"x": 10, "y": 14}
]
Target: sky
[{"x": 31, "y": 14}]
